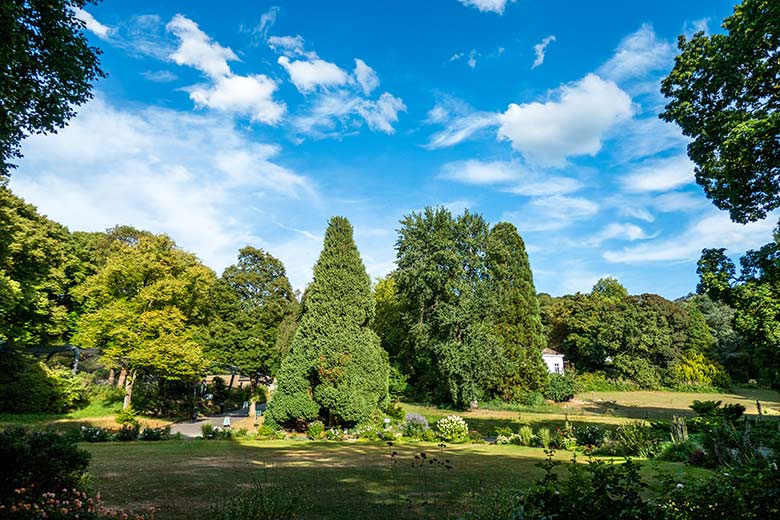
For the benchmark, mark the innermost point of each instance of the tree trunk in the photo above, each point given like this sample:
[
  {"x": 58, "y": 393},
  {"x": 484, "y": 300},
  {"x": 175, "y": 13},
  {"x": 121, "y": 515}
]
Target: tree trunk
[
  {"x": 253, "y": 399},
  {"x": 129, "y": 381},
  {"x": 111, "y": 376},
  {"x": 122, "y": 376}
]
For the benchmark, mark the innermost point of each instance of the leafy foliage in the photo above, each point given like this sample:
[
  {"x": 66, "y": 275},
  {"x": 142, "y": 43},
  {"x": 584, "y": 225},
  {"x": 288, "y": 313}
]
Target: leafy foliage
[
  {"x": 723, "y": 94},
  {"x": 754, "y": 294},
  {"x": 468, "y": 306},
  {"x": 48, "y": 68},
  {"x": 45, "y": 461},
  {"x": 336, "y": 368}
]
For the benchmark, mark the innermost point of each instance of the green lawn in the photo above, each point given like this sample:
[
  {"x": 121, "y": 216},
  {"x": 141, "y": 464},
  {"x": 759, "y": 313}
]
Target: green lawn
[{"x": 333, "y": 480}]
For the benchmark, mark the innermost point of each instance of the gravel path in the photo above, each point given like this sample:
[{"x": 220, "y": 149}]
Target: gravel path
[{"x": 191, "y": 429}]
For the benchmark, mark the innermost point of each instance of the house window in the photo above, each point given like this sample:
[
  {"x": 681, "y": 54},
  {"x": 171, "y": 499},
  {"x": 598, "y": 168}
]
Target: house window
[{"x": 557, "y": 368}]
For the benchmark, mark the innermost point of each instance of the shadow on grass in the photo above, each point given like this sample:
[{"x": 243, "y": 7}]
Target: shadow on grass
[{"x": 333, "y": 479}]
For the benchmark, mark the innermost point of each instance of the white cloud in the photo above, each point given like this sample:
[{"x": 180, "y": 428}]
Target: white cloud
[
  {"x": 701, "y": 25},
  {"x": 480, "y": 173},
  {"x": 180, "y": 173},
  {"x": 267, "y": 20},
  {"x": 637, "y": 212},
  {"x": 472, "y": 61},
  {"x": 571, "y": 124},
  {"x": 456, "y": 56},
  {"x": 460, "y": 122},
  {"x": 679, "y": 201},
  {"x": 659, "y": 175},
  {"x": 510, "y": 175},
  {"x": 366, "y": 76},
  {"x": 332, "y": 110},
  {"x": 160, "y": 76},
  {"x": 543, "y": 185},
  {"x": 639, "y": 54},
  {"x": 308, "y": 75},
  {"x": 382, "y": 113},
  {"x": 492, "y": 6},
  {"x": 539, "y": 50},
  {"x": 290, "y": 46},
  {"x": 92, "y": 25},
  {"x": 552, "y": 213},
  {"x": 197, "y": 50},
  {"x": 617, "y": 230},
  {"x": 247, "y": 95},
  {"x": 647, "y": 136},
  {"x": 715, "y": 230},
  {"x": 251, "y": 96}
]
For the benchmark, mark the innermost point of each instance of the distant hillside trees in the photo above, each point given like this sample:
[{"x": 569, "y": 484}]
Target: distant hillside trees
[
  {"x": 336, "y": 369},
  {"x": 640, "y": 338}
]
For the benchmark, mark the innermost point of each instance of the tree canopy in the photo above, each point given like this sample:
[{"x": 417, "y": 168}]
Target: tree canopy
[
  {"x": 47, "y": 68},
  {"x": 723, "y": 93},
  {"x": 336, "y": 369},
  {"x": 754, "y": 293},
  {"x": 468, "y": 306}
]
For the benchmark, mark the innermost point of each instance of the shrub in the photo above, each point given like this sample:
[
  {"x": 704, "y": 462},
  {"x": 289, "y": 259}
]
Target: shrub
[
  {"x": 532, "y": 399},
  {"x": 589, "y": 435},
  {"x": 599, "y": 382},
  {"x": 526, "y": 435},
  {"x": 29, "y": 386},
  {"x": 560, "y": 388},
  {"x": 46, "y": 461},
  {"x": 155, "y": 434},
  {"x": 395, "y": 411},
  {"x": 94, "y": 434},
  {"x": 429, "y": 436},
  {"x": 414, "y": 425},
  {"x": 335, "y": 434},
  {"x": 452, "y": 428},
  {"x": 207, "y": 430},
  {"x": 677, "y": 452},
  {"x": 128, "y": 432},
  {"x": 268, "y": 432},
  {"x": 545, "y": 437},
  {"x": 636, "y": 438},
  {"x": 316, "y": 430},
  {"x": 126, "y": 416},
  {"x": 694, "y": 369}
]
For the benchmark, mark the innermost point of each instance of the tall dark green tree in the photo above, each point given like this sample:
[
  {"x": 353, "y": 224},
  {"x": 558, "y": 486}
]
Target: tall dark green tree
[
  {"x": 336, "y": 369},
  {"x": 46, "y": 69},
  {"x": 723, "y": 93},
  {"x": 516, "y": 318}
]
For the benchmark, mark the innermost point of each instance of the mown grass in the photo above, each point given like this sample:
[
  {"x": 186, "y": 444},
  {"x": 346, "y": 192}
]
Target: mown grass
[
  {"x": 98, "y": 412},
  {"x": 333, "y": 479}
]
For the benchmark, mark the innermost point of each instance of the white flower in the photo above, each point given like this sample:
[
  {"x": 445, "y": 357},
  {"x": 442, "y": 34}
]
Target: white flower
[
  {"x": 679, "y": 485},
  {"x": 774, "y": 466}
]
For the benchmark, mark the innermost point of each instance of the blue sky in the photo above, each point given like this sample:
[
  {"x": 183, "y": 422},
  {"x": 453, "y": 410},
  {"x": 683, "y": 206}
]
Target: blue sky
[{"x": 253, "y": 122}]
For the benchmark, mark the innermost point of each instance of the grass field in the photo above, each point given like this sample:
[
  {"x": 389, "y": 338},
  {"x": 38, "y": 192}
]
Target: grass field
[
  {"x": 333, "y": 480},
  {"x": 356, "y": 479}
]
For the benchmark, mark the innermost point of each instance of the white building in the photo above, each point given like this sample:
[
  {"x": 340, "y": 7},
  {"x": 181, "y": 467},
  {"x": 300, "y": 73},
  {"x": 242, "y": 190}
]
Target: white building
[{"x": 554, "y": 361}]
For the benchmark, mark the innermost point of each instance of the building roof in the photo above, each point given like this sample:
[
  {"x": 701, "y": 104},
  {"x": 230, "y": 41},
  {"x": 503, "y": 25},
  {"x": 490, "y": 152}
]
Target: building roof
[{"x": 551, "y": 352}]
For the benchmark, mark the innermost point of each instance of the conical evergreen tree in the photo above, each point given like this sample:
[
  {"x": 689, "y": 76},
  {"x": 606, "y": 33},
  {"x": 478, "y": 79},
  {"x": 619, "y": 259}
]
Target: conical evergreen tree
[
  {"x": 336, "y": 369},
  {"x": 516, "y": 318}
]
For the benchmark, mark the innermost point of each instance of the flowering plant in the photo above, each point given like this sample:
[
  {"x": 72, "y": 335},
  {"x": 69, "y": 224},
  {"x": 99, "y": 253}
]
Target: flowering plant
[{"x": 452, "y": 428}]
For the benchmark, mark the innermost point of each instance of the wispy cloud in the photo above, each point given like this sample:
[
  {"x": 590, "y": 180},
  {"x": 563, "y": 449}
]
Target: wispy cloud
[
  {"x": 637, "y": 55},
  {"x": 539, "y": 50},
  {"x": 487, "y": 6},
  {"x": 659, "y": 175},
  {"x": 98, "y": 29}
]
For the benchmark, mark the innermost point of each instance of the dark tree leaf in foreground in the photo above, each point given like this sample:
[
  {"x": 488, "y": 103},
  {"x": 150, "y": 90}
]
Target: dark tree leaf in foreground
[{"x": 46, "y": 69}]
